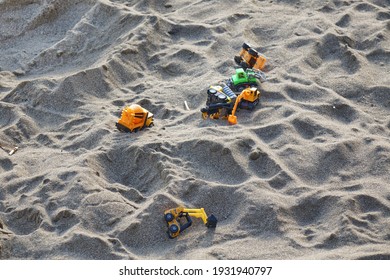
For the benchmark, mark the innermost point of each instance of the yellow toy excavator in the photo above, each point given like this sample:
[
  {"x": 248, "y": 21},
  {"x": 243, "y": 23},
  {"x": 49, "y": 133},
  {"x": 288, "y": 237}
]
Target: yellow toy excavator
[
  {"x": 134, "y": 118},
  {"x": 249, "y": 97},
  {"x": 173, "y": 218}
]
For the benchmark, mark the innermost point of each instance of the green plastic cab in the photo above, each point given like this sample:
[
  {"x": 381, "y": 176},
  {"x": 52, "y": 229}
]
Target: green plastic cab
[{"x": 243, "y": 79}]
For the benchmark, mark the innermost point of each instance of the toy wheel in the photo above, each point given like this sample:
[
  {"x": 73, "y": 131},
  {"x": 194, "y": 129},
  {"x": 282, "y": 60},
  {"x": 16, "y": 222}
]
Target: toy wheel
[
  {"x": 253, "y": 53},
  {"x": 211, "y": 91},
  {"x": 244, "y": 65},
  {"x": 254, "y": 104},
  {"x": 173, "y": 228},
  {"x": 246, "y": 46},
  {"x": 168, "y": 217},
  {"x": 240, "y": 89},
  {"x": 238, "y": 59}
]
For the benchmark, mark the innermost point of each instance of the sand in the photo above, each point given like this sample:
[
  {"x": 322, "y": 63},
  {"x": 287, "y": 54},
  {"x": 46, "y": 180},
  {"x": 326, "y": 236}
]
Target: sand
[{"x": 305, "y": 175}]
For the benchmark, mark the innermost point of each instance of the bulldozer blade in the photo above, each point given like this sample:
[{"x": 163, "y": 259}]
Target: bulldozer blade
[
  {"x": 122, "y": 128},
  {"x": 261, "y": 76}
]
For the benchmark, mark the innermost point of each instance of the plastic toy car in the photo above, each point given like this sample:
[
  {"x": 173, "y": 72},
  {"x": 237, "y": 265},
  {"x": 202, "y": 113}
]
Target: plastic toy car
[
  {"x": 245, "y": 78},
  {"x": 250, "y": 58},
  {"x": 222, "y": 102},
  {"x": 219, "y": 98},
  {"x": 175, "y": 226},
  {"x": 134, "y": 118}
]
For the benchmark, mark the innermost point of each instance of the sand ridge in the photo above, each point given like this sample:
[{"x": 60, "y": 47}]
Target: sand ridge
[{"x": 303, "y": 176}]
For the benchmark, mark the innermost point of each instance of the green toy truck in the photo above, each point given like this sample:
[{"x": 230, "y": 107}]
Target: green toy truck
[{"x": 245, "y": 78}]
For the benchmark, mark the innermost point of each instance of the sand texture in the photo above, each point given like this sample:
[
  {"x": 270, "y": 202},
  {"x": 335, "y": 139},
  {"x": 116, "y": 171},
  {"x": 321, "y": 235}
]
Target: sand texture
[{"x": 305, "y": 175}]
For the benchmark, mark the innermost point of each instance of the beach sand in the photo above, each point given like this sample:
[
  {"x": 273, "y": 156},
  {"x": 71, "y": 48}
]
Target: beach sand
[{"x": 305, "y": 175}]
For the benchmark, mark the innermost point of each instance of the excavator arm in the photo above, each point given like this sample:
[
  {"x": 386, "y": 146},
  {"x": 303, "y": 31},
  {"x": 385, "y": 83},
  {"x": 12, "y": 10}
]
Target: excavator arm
[
  {"x": 249, "y": 96},
  {"x": 232, "y": 119}
]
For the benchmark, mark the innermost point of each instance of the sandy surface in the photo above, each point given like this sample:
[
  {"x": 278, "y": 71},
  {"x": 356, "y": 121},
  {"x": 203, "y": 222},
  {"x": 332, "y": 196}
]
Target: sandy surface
[{"x": 306, "y": 175}]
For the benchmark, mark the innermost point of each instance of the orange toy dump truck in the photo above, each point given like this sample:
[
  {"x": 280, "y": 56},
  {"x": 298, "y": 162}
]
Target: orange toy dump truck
[
  {"x": 134, "y": 118},
  {"x": 250, "y": 58}
]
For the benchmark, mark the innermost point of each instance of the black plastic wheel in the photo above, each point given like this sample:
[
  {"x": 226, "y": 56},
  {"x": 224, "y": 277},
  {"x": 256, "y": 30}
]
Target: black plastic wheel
[
  {"x": 246, "y": 46},
  {"x": 244, "y": 65},
  {"x": 253, "y": 53},
  {"x": 168, "y": 217},
  {"x": 173, "y": 228},
  {"x": 211, "y": 91}
]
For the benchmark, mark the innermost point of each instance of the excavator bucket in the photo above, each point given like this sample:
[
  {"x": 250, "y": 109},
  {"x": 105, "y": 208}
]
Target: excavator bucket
[
  {"x": 232, "y": 119},
  {"x": 211, "y": 221}
]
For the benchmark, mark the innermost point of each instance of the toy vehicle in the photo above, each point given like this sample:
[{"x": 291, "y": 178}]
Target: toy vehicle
[
  {"x": 218, "y": 98},
  {"x": 250, "y": 58},
  {"x": 220, "y": 103},
  {"x": 248, "y": 99},
  {"x": 134, "y": 118},
  {"x": 245, "y": 78},
  {"x": 173, "y": 218}
]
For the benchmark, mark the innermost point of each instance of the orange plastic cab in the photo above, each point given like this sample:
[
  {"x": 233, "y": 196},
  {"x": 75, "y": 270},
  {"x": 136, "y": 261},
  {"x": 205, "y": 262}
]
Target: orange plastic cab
[{"x": 134, "y": 118}]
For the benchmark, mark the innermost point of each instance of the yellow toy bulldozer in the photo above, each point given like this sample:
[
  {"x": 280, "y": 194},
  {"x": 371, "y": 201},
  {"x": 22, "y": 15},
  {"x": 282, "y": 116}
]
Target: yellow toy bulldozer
[
  {"x": 250, "y": 58},
  {"x": 173, "y": 218},
  {"x": 248, "y": 98},
  {"x": 134, "y": 118}
]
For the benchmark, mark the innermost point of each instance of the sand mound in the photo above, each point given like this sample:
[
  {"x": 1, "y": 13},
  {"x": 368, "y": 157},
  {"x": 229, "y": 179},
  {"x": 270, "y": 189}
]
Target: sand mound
[{"x": 303, "y": 176}]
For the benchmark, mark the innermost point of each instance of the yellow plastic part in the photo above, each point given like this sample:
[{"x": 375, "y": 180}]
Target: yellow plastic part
[
  {"x": 135, "y": 117},
  {"x": 260, "y": 62},
  {"x": 175, "y": 213},
  {"x": 216, "y": 115},
  {"x": 197, "y": 213},
  {"x": 249, "y": 94}
]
